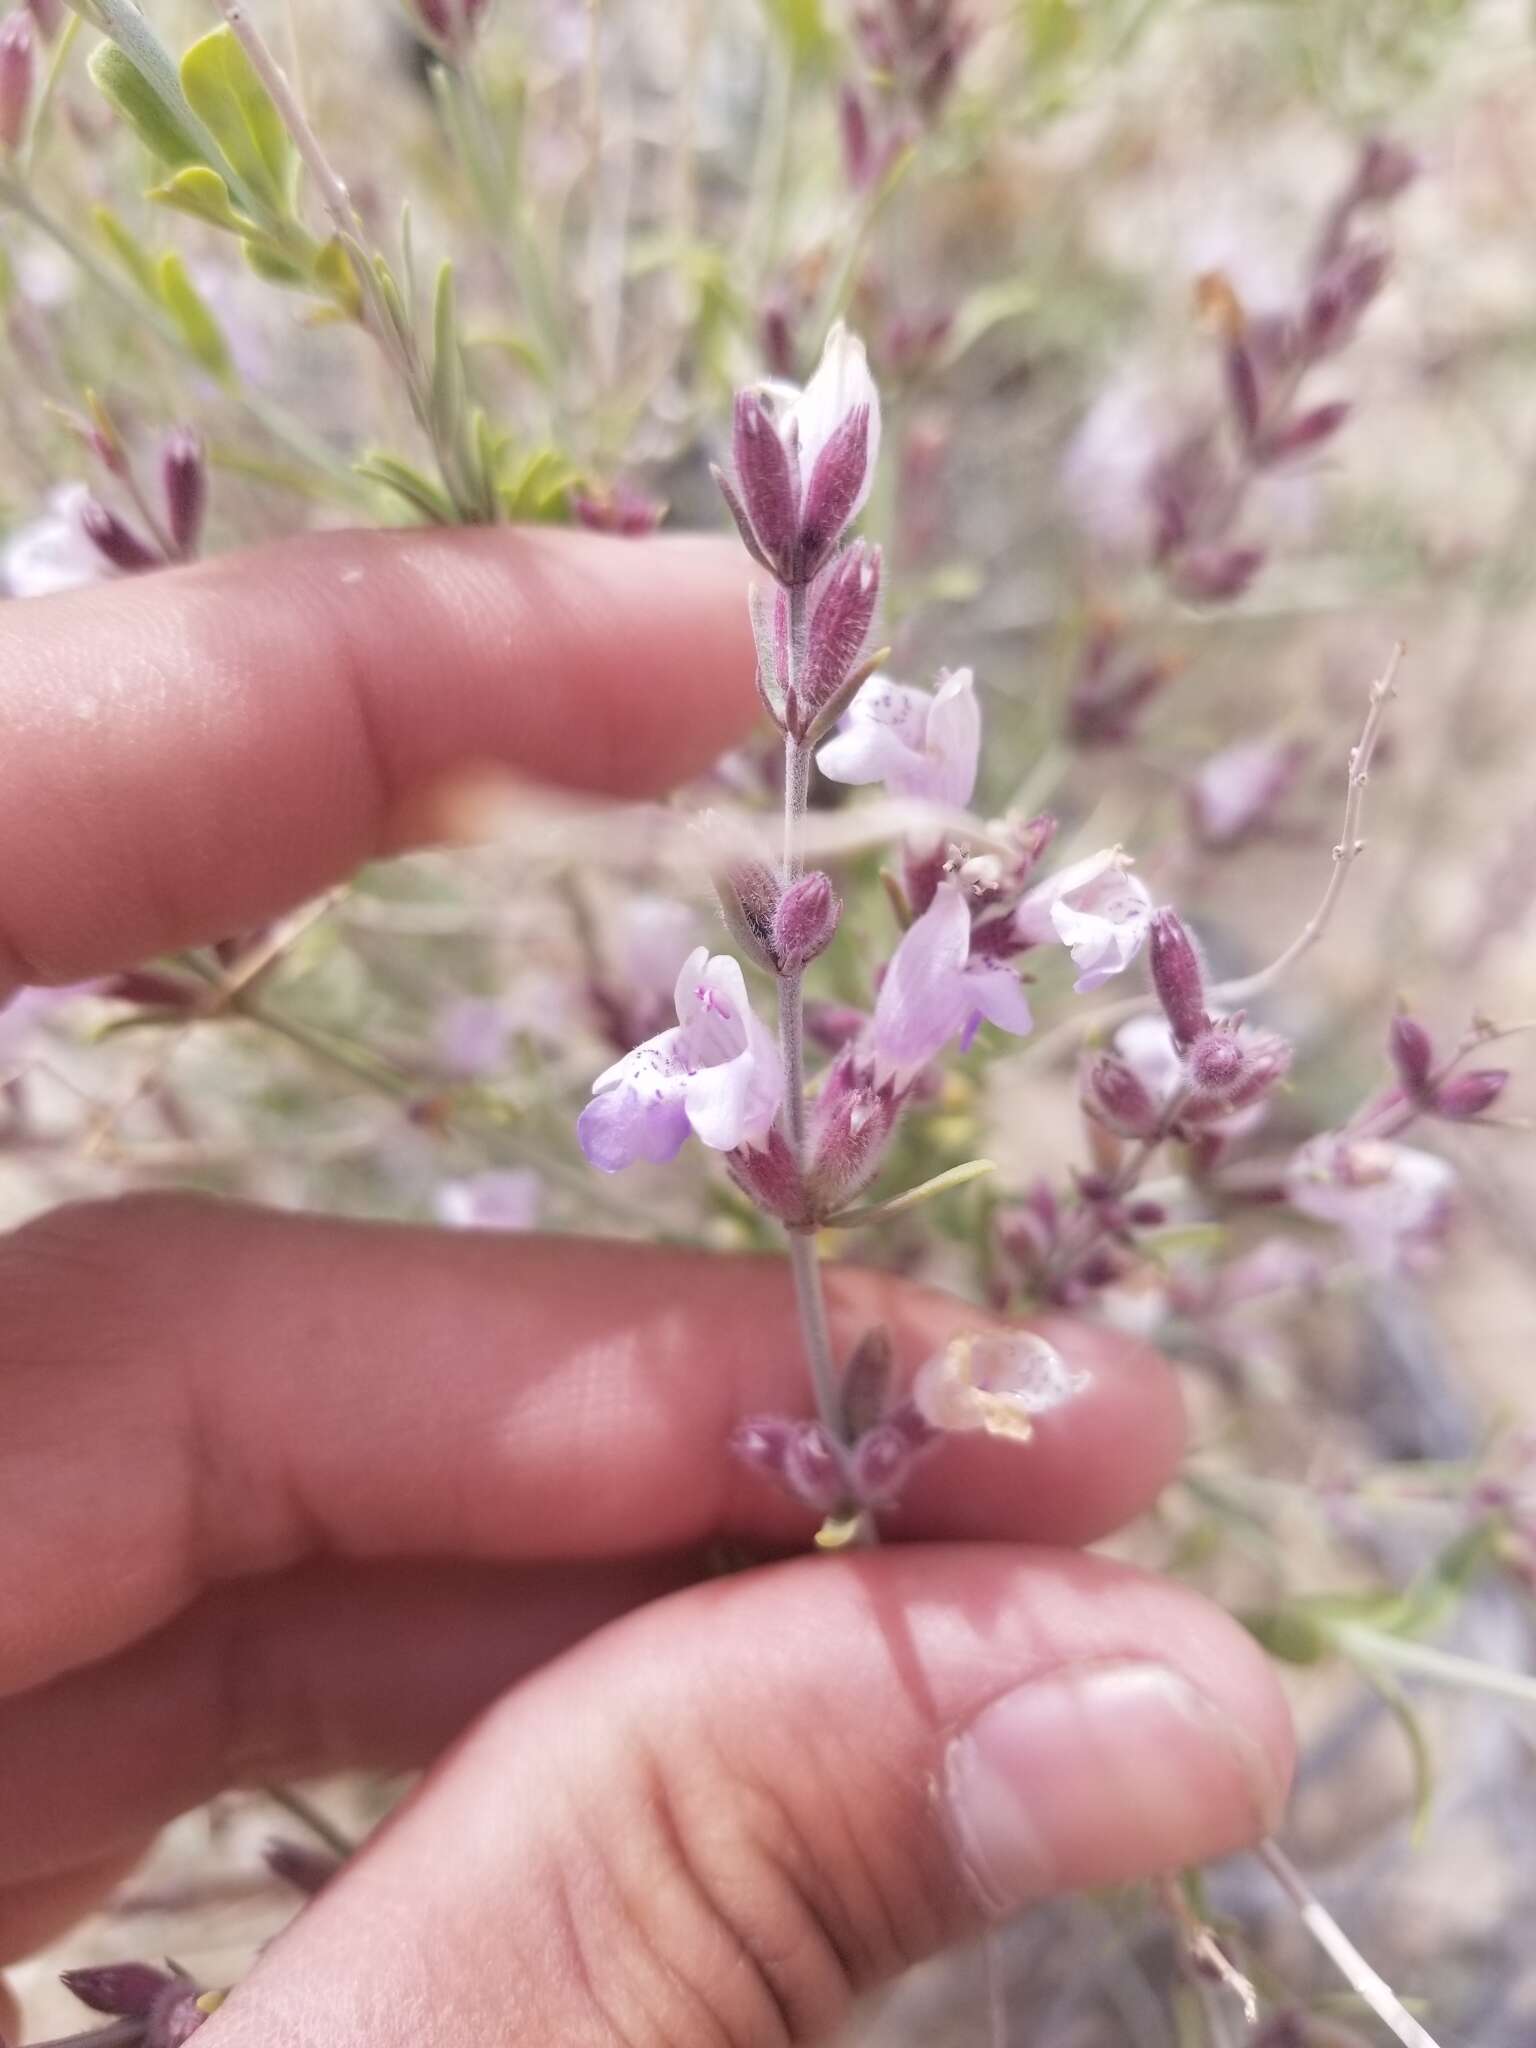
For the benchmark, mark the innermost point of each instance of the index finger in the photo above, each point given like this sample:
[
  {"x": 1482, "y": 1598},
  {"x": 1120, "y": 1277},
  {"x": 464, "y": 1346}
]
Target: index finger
[{"x": 188, "y": 753}]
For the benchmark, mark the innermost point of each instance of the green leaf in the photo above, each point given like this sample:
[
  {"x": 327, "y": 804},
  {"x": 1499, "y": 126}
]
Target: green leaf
[
  {"x": 158, "y": 125},
  {"x": 128, "y": 250},
  {"x": 418, "y": 491},
  {"x": 272, "y": 264},
  {"x": 336, "y": 274},
  {"x": 1289, "y": 1634},
  {"x": 540, "y": 488},
  {"x": 447, "y": 362},
  {"x": 941, "y": 1184},
  {"x": 1385, "y": 1685},
  {"x": 225, "y": 92},
  {"x": 801, "y": 26},
  {"x": 199, "y": 330},
  {"x": 202, "y": 193}
]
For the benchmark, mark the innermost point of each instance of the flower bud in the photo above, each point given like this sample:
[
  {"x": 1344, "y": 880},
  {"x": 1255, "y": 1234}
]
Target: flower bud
[
  {"x": 1229, "y": 1069},
  {"x": 775, "y": 337},
  {"x": 1412, "y": 1052},
  {"x": 1113, "y": 1094},
  {"x": 799, "y": 1457},
  {"x": 835, "y": 488},
  {"x": 1213, "y": 575},
  {"x": 308, "y": 1870},
  {"x": 1385, "y": 169},
  {"x": 769, "y": 1176},
  {"x": 859, "y": 160},
  {"x": 1340, "y": 296},
  {"x": 49, "y": 16},
  {"x": 1243, "y": 390},
  {"x": 881, "y": 1462},
  {"x": 749, "y": 900},
  {"x": 852, "y": 1124},
  {"x": 126, "y": 1990},
  {"x": 1470, "y": 1095},
  {"x": 1308, "y": 430},
  {"x": 184, "y": 472},
  {"x": 766, "y": 484},
  {"x": 17, "y": 73},
  {"x": 116, "y": 540},
  {"x": 844, "y": 612},
  {"x": 1178, "y": 979},
  {"x": 867, "y": 1382},
  {"x": 806, "y": 921},
  {"x": 619, "y": 509}
]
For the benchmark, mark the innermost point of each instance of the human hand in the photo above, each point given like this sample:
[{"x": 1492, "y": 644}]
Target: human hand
[{"x": 287, "y": 1495}]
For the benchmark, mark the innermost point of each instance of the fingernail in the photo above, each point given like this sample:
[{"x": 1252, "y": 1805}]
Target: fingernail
[{"x": 1099, "y": 1774}]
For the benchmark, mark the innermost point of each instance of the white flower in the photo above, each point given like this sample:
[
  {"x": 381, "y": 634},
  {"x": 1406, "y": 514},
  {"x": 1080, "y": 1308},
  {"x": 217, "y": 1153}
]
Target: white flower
[
  {"x": 52, "y": 553},
  {"x": 1384, "y": 1197},
  {"x": 995, "y": 1381},
  {"x": 718, "y": 1074},
  {"x": 1099, "y": 911},
  {"x": 918, "y": 745},
  {"x": 840, "y": 384}
]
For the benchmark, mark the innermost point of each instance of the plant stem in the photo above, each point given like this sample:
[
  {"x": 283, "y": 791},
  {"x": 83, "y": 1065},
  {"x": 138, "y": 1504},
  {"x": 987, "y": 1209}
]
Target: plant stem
[
  {"x": 308, "y": 1815},
  {"x": 1341, "y": 1951},
  {"x": 804, "y": 1263}
]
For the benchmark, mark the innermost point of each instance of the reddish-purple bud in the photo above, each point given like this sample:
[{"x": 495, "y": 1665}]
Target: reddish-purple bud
[
  {"x": 800, "y": 1457},
  {"x": 834, "y": 489},
  {"x": 620, "y": 509},
  {"x": 776, "y": 339},
  {"x": 1178, "y": 978},
  {"x": 806, "y": 921},
  {"x": 749, "y": 901},
  {"x": 1341, "y": 295},
  {"x": 308, "y": 1870},
  {"x": 833, "y": 1026},
  {"x": 844, "y": 612},
  {"x": 49, "y": 16},
  {"x": 184, "y": 473},
  {"x": 176, "y": 2018},
  {"x": 1114, "y": 1095},
  {"x": 867, "y": 1383},
  {"x": 851, "y": 1127},
  {"x": 1412, "y": 1052},
  {"x": 1213, "y": 575},
  {"x": 126, "y": 1990},
  {"x": 1308, "y": 430},
  {"x": 766, "y": 483},
  {"x": 769, "y": 1176},
  {"x": 1230, "y": 1070},
  {"x": 115, "y": 539},
  {"x": 17, "y": 71},
  {"x": 880, "y": 1464},
  {"x": 859, "y": 161},
  {"x": 1243, "y": 390},
  {"x": 1385, "y": 169},
  {"x": 1472, "y": 1094}
]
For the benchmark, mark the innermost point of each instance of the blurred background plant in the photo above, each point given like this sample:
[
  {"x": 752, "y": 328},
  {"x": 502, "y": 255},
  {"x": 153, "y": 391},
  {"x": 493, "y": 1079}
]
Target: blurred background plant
[{"x": 1204, "y": 333}]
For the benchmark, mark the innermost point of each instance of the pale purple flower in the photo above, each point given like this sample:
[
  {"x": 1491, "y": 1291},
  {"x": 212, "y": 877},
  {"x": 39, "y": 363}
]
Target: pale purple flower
[
  {"x": 718, "y": 1074},
  {"x": 918, "y": 745},
  {"x": 31, "y": 1007},
  {"x": 470, "y": 1037},
  {"x": 933, "y": 991},
  {"x": 502, "y": 1199},
  {"x": 1236, "y": 790},
  {"x": 53, "y": 552},
  {"x": 1098, "y": 910},
  {"x": 1386, "y": 1198},
  {"x": 997, "y": 1381}
]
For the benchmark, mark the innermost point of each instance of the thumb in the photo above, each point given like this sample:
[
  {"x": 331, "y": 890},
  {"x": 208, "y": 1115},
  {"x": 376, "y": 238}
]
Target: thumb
[{"x": 718, "y": 1821}]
